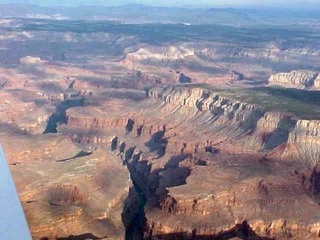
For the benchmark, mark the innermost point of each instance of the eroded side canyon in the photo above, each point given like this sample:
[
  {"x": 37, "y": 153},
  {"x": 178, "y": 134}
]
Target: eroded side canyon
[{"x": 201, "y": 164}]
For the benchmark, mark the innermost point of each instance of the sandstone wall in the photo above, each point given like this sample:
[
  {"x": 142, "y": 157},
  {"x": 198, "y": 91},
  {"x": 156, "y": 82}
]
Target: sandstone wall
[{"x": 296, "y": 79}]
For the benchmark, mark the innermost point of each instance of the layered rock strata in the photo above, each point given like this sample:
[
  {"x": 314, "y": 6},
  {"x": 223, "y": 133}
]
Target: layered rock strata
[
  {"x": 174, "y": 141},
  {"x": 296, "y": 79}
]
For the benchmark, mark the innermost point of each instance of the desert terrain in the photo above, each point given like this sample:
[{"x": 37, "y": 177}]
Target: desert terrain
[{"x": 140, "y": 123}]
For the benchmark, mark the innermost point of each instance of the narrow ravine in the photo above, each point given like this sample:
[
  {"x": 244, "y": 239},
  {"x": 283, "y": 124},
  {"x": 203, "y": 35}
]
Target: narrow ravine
[
  {"x": 59, "y": 116},
  {"x": 139, "y": 172},
  {"x": 136, "y": 228}
]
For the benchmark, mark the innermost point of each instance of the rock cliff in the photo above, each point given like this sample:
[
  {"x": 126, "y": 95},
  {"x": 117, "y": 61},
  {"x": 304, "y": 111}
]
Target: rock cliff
[
  {"x": 296, "y": 79},
  {"x": 173, "y": 142},
  {"x": 94, "y": 156}
]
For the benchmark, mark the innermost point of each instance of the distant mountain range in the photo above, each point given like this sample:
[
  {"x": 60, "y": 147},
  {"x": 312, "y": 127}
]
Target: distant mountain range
[
  {"x": 307, "y": 4},
  {"x": 69, "y": 2},
  {"x": 135, "y": 13}
]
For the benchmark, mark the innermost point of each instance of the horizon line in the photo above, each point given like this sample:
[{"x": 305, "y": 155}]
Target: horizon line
[{"x": 305, "y": 6}]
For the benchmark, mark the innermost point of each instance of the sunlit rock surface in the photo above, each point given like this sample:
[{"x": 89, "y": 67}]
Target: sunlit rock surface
[
  {"x": 296, "y": 79},
  {"x": 113, "y": 133}
]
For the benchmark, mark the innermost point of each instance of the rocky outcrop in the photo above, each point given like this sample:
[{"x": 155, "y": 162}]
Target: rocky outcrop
[
  {"x": 251, "y": 126},
  {"x": 296, "y": 79},
  {"x": 303, "y": 143},
  {"x": 203, "y": 163},
  {"x": 197, "y": 134},
  {"x": 160, "y": 56},
  {"x": 221, "y": 122},
  {"x": 273, "y": 130},
  {"x": 225, "y": 109}
]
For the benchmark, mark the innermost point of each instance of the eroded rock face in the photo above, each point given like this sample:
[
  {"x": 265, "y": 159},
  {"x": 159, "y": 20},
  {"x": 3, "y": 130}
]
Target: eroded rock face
[
  {"x": 296, "y": 79},
  {"x": 303, "y": 143},
  {"x": 202, "y": 164},
  {"x": 206, "y": 163},
  {"x": 163, "y": 56},
  {"x": 273, "y": 129},
  {"x": 93, "y": 157}
]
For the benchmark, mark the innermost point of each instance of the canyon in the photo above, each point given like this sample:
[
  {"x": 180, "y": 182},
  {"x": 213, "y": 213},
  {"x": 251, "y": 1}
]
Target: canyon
[
  {"x": 162, "y": 130},
  {"x": 194, "y": 154}
]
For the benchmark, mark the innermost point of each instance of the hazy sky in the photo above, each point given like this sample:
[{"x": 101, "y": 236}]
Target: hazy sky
[
  {"x": 231, "y": 2},
  {"x": 228, "y": 3}
]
